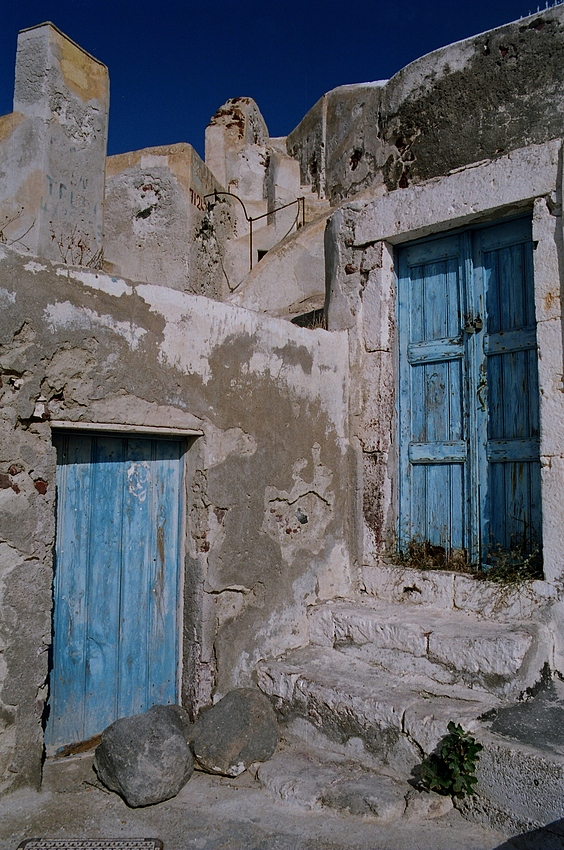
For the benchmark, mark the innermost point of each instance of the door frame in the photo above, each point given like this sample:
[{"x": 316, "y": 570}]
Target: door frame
[
  {"x": 525, "y": 181},
  {"x": 474, "y": 360}
]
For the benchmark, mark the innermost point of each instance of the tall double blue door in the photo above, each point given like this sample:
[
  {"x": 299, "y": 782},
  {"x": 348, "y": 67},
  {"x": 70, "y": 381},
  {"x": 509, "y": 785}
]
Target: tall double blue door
[
  {"x": 468, "y": 398},
  {"x": 116, "y": 588}
]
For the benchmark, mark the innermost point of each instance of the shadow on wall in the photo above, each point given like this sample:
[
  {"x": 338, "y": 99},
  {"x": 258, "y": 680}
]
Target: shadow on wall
[{"x": 549, "y": 837}]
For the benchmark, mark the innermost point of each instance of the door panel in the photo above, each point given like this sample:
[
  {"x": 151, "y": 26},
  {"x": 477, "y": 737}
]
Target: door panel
[
  {"x": 468, "y": 397},
  {"x": 433, "y": 463},
  {"x": 511, "y": 509},
  {"x": 115, "y": 646}
]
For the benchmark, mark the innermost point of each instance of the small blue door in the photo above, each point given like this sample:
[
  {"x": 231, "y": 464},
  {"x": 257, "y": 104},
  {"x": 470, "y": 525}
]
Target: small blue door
[
  {"x": 116, "y": 589},
  {"x": 468, "y": 396}
]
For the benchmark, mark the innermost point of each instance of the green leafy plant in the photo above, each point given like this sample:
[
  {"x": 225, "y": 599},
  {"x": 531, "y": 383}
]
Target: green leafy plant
[{"x": 452, "y": 770}]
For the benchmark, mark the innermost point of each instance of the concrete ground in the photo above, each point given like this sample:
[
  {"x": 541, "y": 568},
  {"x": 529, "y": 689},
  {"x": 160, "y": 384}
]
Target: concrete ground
[{"x": 214, "y": 813}]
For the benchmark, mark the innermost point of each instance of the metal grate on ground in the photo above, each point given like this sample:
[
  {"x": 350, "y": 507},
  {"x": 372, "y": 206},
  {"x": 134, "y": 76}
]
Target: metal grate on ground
[{"x": 91, "y": 844}]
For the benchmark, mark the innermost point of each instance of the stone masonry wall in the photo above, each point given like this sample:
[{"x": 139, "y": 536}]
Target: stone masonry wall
[{"x": 157, "y": 224}]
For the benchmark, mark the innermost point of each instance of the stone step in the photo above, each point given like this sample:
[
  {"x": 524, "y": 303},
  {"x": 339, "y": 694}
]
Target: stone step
[
  {"x": 458, "y": 591},
  {"x": 389, "y": 720},
  {"x": 521, "y": 769},
  {"x": 445, "y": 646},
  {"x": 307, "y": 777},
  {"x": 519, "y": 786},
  {"x": 314, "y": 205},
  {"x": 387, "y": 723}
]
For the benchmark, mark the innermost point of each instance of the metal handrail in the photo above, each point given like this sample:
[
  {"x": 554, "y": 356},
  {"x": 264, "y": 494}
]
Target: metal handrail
[{"x": 250, "y": 218}]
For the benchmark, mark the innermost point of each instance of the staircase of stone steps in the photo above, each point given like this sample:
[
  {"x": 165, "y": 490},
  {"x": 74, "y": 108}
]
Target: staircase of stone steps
[{"x": 381, "y": 679}]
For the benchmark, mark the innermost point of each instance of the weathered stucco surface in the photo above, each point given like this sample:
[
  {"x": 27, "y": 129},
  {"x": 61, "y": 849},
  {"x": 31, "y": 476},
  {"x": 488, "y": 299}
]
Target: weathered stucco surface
[
  {"x": 164, "y": 325},
  {"x": 299, "y": 262},
  {"x": 473, "y": 100},
  {"x": 266, "y": 516},
  {"x": 53, "y": 150},
  {"x": 157, "y": 225}
]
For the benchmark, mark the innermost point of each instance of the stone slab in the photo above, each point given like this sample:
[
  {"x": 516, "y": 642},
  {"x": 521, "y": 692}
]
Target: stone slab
[
  {"x": 449, "y": 645},
  {"x": 521, "y": 783},
  {"x": 302, "y": 778},
  {"x": 345, "y": 698},
  {"x": 449, "y": 590},
  {"x": 459, "y": 197}
]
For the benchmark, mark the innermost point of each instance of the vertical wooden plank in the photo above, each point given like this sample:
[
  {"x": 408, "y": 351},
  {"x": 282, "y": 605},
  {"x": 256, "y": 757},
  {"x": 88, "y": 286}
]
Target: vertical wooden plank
[
  {"x": 508, "y": 298},
  {"x": 533, "y": 413},
  {"x": 435, "y": 300},
  {"x": 473, "y": 420},
  {"x": 138, "y": 546},
  {"x": 419, "y": 378},
  {"x": 418, "y": 519},
  {"x": 496, "y": 409},
  {"x": 457, "y": 507},
  {"x": 516, "y": 396},
  {"x": 535, "y": 507},
  {"x": 104, "y": 586},
  {"x": 163, "y": 632},
  {"x": 488, "y": 261},
  {"x": 415, "y": 330},
  {"x": 512, "y": 376},
  {"x": 439, "y": 497},
  {"x": 66, "y": 700},
  {"x": 495, "y": 524},
  {"x": 529, "y": 290},
  {"x": 453, "y": 296},
  {"x": 456, "y": 430}
]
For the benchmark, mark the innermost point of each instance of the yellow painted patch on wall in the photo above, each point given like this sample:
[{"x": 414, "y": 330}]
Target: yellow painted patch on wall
[{"x": 86, "y": 76}]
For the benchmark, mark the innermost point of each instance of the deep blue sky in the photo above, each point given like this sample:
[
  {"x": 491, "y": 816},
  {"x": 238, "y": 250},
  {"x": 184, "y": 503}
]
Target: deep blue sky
[{"x": 174, "y": 62}]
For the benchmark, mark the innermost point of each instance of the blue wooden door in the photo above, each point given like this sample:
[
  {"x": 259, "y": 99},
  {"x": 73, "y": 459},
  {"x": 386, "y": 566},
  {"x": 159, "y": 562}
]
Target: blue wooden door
[
  {"x": 469, "y": 478},
  {"x": 434, "y": 457},
  {"x": 511, "y": 501},
  {"x": 116, "y": 589}
]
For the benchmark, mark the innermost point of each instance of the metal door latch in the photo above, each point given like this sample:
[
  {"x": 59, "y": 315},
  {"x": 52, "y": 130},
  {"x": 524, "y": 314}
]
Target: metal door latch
[{"x": 472, "y": 326}]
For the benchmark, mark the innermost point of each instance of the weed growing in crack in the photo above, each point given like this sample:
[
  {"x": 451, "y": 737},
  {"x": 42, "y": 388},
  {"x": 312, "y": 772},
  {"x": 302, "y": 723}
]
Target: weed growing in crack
[{"x": 452, "y": 769}]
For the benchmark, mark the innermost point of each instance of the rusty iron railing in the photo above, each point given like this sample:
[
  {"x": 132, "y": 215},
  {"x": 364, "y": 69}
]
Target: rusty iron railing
[{"x": 301, "y": 208}]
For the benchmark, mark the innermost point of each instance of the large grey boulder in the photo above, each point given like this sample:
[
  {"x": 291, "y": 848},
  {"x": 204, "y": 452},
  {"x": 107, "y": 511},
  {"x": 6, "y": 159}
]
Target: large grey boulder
[
  {"x": 145, "y": 758},
  {"x": 239, "y": 730}
]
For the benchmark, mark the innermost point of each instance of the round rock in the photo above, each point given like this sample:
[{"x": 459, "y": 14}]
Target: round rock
[
  {"x": 239, "y": 730},
  {"x": 145, "y": 758}
]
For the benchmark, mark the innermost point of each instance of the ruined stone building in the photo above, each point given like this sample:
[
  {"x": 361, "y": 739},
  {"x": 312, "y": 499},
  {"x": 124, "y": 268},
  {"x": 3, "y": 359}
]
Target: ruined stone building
[{"x": 243, "y": 400}]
